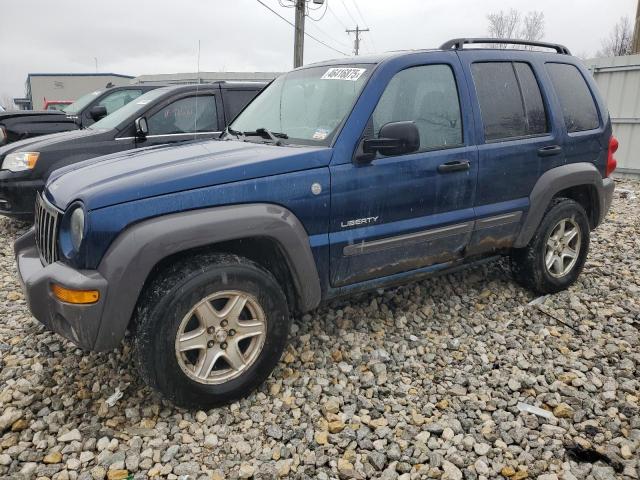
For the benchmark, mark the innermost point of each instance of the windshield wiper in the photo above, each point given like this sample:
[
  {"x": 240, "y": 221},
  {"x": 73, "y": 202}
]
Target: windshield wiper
[
  {"x": 259, "y": 132},
  {"x": 270, "y": 134},
  {"x": 239, "y": 135}
]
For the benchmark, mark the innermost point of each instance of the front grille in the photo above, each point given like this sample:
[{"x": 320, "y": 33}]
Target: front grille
[{"x": 46, "y": 225}]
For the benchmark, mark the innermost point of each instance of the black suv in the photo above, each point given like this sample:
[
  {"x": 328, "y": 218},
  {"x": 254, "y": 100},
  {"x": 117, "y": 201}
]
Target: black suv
[
  {"x": 162, "y": 116},
  {"x": 88, "y": 109}
]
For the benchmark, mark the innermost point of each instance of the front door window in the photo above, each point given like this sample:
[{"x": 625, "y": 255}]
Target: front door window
[
  {"x": 428, "y": 96},
  {"x": 187, "y": 115}
]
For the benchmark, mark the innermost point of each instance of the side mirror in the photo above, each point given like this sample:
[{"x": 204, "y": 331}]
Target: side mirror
[
  {"x": 142, "y": 127},
  {"x": 98, "y": 112},
  {"x": 395, "y": 138}
]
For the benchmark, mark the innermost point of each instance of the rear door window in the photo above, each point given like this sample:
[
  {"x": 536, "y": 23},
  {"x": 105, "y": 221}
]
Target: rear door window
[
  {"x": 236, "y": 100},
  {"x": 510, "y": 101},
  {"x": 535, "y": 114},
  {"x": 578, "y": 107}
]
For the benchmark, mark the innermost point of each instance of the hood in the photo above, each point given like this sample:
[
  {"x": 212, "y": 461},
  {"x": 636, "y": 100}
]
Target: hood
[
  {"x": 28, "y": 113},
  {"x": 38, "y": 144},
  {"x": 138, "y": 174}
]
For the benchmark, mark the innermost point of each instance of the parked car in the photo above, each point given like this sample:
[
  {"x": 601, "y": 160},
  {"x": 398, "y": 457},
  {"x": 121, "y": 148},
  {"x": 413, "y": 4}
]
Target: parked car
[
  {"x": 85, "y": 111},
  {"x": 340, "y": 177},
  {"x": 165, "y": 115},
  {"x": 56, "y": 104},
  {"x": 20, "y": 124}
]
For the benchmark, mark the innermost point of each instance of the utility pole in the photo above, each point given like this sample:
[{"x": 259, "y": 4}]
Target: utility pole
[
  {"x": 298, "y": 43},
  {"x": 635, "y": 47},
  {"x": 356, "y": 42}
]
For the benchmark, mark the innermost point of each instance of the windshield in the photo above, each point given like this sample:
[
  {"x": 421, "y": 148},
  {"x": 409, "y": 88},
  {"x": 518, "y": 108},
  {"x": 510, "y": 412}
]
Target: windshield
[
  {"x": 82, "y": 102},
  {"x": 306, "y": 105},
  {"x": 137, "y": 106}
]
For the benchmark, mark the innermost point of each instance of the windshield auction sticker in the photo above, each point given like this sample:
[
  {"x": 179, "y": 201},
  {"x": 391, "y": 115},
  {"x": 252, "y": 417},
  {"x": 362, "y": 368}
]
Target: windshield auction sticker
[{"x": 350, "y": 74}]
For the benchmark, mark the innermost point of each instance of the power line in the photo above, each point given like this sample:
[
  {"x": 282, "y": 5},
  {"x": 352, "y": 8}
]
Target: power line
[
  {"x": 327, "y": 7},
  {"x": 327, "y": 35},
  {"x": 360, "y": 13},
  {"x": 342, "y": 44},
  {"x": 336, "y": 16},
  {"x": 306, "y": 34},
  {"x": 314, "y": 9},
  {"x": 366, "y": 24},
  {"x": 309, "y": 10},
  {"x": 348, "y": 11}
]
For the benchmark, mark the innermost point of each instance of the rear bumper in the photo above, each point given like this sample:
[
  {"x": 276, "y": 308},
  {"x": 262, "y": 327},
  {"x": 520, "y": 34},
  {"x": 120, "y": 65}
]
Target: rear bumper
[
  {"x": 17, "y": 197},
  {"x": 606, "y": 197},
  {"x": 78, "y": 323}
]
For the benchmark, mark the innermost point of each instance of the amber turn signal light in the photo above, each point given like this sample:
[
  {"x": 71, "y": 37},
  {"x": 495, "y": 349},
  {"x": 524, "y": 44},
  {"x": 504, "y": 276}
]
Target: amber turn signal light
[
  {"x": 80, "y": 297},
  {"x": 30, "y": 159}
]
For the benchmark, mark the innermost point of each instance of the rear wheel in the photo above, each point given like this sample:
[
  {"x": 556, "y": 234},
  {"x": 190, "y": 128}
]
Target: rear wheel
[
  {"x": 211, "y": 330},
  {"x": 557, "y": 252}
]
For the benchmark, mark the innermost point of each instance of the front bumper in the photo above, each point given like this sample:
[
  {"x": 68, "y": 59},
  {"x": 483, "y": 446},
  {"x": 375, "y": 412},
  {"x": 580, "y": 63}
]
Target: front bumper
[
  {"x": 18, "y": 196},
  {"x": 78, "y": 323}
]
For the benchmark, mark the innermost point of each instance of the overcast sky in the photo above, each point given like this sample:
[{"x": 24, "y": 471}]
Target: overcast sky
[{"x": 161, "y": 36}]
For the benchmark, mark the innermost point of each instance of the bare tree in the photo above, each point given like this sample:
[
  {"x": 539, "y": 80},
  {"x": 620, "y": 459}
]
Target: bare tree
[
  {"x": 512, "y": 24},
  {"x": 533, "y": 27},
  {"x": 504, "y": 24},
  {"x": 620, "y": 40}
]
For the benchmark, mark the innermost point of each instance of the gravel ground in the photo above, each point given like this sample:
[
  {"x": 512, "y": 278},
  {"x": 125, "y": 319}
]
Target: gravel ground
[{"x": 431, "y": 380}]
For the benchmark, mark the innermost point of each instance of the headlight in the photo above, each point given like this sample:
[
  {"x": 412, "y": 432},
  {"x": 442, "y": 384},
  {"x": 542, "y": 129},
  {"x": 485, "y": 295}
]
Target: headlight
[
  {"x": 20, "y": 161},
  {"x": 76, "y": 227},
  {"x": 3, "y": 136}
]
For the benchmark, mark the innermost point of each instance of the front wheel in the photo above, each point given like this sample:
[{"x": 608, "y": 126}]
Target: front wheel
[
  {"x": 557, "y": 252},
  {"x": 209, "y": 331}
]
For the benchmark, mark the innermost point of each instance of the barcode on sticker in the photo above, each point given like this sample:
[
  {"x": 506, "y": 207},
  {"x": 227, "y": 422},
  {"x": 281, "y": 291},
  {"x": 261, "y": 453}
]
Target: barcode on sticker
[{"x": 351, "y": 74}]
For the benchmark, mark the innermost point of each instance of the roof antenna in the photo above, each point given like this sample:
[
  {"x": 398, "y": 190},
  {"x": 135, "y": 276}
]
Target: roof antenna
[{"x": 195, "y": 116}]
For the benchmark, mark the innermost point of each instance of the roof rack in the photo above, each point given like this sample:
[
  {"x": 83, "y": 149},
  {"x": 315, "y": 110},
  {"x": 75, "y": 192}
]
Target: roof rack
[{"x": 459, "y": 43}]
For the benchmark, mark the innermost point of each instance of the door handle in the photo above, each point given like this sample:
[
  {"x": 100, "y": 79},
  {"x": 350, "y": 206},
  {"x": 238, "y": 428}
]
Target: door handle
[
  {"x": 549, "y": 151},
  {"x": 455, "y": 166}
]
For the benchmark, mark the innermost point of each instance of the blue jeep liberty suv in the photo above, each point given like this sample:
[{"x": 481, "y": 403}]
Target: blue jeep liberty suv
[{"x": 339, "y": 177}]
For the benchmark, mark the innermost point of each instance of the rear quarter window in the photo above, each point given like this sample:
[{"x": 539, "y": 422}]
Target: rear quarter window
[{"x": 578, "y": 107}]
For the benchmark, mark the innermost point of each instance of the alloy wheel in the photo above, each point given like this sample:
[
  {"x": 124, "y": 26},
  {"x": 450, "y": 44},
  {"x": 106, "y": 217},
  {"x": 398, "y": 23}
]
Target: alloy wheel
[
  {"x": 563, "y": 248},
  {"x": 221, "y": 337}
]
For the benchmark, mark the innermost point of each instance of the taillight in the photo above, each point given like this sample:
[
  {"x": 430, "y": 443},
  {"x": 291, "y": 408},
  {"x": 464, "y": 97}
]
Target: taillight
[{"x": 611, "y": 161}]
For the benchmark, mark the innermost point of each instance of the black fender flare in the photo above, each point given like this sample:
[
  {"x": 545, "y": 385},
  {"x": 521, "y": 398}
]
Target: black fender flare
[
  {"x": 132, "y": 256},
  {"x": 556, "y": 180}
]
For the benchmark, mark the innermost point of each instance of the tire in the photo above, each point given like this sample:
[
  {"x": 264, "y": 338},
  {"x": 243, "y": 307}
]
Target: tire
[
  {"x": 179, "y": 323},
  {"x": 529, "y": 264}
]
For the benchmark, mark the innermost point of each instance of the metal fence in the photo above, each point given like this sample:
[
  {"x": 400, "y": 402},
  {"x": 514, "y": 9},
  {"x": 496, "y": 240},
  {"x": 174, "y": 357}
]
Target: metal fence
[{"x": 618, "y": 80}]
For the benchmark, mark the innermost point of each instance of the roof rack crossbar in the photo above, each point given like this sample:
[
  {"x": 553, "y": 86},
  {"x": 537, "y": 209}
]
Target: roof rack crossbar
[{"x": 459, "y": 43}]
